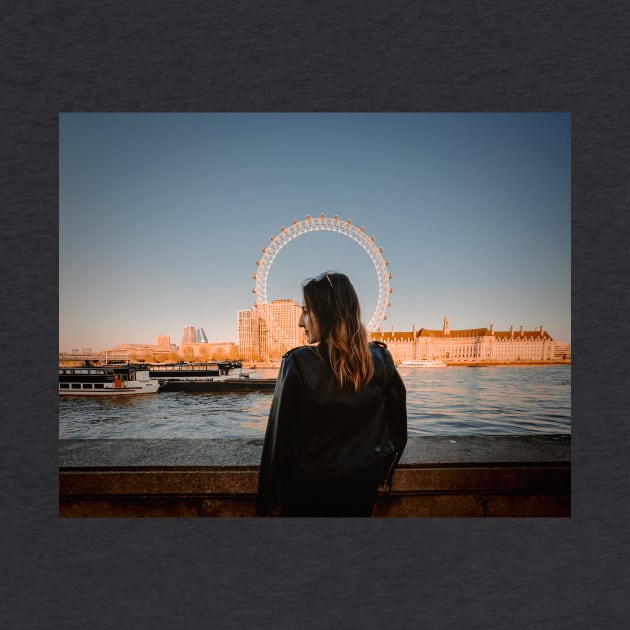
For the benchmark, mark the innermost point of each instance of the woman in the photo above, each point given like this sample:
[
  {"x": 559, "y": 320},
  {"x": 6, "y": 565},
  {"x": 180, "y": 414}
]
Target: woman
[{"x": 338, "y": 420}]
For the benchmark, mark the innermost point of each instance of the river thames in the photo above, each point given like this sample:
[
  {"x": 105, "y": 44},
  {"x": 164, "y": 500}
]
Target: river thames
[{"x": 505, "y": 400}]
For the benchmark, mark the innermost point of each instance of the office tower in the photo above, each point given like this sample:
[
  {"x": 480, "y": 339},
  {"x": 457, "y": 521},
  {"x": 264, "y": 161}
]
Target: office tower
[
  {"x": 269, "y": 331},
  {"x": 284, "y": 332},
  {"x": 190, "y": 335},
  {"x": 248, "y": 335}
]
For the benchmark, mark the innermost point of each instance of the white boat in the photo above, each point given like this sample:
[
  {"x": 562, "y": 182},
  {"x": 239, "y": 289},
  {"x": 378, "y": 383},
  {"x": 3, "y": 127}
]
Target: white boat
[
  {"x": 423, "y": 363},
  {"x": 195, "y": 371},
  {"x": 106, "y": 380}
]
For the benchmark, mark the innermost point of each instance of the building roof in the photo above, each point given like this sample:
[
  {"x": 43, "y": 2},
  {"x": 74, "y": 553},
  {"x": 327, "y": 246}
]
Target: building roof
[
  {"x": 391, "y": 336},
  {"x": 460, "y": 334},
  {"x": 527, "y": 334},
  {"x": 466, "y": 332}
]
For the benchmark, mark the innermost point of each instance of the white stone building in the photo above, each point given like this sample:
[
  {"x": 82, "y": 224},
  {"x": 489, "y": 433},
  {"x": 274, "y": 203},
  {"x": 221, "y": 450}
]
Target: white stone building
[{"x": 471, "y": 345}]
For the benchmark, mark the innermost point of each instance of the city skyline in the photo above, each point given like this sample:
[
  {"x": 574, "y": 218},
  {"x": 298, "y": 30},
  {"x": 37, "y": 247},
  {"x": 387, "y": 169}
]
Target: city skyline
[{"x": 163, "y": 216}]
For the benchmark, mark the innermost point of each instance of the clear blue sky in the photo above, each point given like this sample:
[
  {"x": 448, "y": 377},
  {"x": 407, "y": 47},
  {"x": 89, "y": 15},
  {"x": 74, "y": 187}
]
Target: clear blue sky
[{"x": 162, "y": 218}]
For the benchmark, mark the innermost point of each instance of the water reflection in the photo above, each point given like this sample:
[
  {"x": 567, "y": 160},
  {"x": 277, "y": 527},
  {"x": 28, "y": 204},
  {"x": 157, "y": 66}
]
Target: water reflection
[
  {"x": 443, "y": 401},
  {"x": 489, "y": 400}
]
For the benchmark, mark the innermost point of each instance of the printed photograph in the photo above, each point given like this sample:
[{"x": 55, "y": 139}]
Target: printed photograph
[{"x": 314, "y": 315}]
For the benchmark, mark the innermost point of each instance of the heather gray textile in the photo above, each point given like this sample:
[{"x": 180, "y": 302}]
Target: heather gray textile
[{"x": 342, "y": 56}]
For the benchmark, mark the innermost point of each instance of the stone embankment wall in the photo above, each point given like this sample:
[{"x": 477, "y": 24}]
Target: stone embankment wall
[{"x": 510, "y": 476}]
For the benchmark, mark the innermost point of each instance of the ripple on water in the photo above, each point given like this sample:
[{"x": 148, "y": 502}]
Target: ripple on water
[{"x": 447, "y": 401}]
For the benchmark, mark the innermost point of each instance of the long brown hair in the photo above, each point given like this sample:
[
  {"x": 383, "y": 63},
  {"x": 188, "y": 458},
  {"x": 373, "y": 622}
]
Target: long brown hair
[{"x": 334, "y": 302}]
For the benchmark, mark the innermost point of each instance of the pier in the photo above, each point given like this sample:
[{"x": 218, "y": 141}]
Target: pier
[{"x": 473, "y": 476}]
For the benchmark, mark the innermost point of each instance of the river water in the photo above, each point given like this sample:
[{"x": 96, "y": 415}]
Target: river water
[{"x": 506, "y": 400}]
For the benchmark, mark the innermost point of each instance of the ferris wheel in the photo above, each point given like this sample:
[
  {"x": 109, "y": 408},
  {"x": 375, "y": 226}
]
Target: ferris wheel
[{"x": 323, "y": 224}]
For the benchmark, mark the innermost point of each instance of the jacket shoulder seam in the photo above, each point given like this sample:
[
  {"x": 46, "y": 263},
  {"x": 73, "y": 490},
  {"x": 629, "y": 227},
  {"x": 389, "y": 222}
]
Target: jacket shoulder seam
[{"x": 293, "y": 350}]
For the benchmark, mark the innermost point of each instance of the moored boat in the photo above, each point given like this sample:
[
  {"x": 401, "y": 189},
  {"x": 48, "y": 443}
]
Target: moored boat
[
  {"x": 106, "y": 380},
  {"x": 219, "y": 384},
  {"x": 423, "y": 363},
  {"x": 185, "y": 370}
]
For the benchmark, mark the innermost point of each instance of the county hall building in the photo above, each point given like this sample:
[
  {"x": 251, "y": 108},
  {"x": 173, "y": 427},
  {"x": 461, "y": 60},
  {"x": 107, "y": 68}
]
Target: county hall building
[{"x": 473, "y": 344}]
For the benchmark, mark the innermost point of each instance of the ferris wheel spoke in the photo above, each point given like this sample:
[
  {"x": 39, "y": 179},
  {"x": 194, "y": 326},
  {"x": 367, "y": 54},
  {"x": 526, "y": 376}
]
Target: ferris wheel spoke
[{"x": 315, "y": 224}]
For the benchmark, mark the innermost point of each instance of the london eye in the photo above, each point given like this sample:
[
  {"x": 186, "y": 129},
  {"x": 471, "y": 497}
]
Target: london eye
[{"x": 323, "y": 224}]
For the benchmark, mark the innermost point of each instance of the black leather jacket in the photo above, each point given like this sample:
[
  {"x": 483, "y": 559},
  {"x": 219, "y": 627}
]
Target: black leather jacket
[{"x": 316, "y": 431}]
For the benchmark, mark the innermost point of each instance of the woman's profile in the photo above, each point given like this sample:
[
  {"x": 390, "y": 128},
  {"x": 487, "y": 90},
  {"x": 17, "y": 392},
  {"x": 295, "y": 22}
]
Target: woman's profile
[{"x": 338, "y": 421}]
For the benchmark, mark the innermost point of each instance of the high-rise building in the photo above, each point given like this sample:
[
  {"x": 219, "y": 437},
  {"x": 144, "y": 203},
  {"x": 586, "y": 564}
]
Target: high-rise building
[
  {"x": 249, "y": 335},
  {"x": 269, "y": 331},
  {"x": 164, "y": 341},
  {"x": 201, "y": 336},
  {"x": 282, "y": 324},
  {"x": 190, "y": 335}
]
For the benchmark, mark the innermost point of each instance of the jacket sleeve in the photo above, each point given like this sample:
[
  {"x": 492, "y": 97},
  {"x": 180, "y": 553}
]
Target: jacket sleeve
[
  {"x": 396, "y": 415},
  {"x": 276, "y": 445}
]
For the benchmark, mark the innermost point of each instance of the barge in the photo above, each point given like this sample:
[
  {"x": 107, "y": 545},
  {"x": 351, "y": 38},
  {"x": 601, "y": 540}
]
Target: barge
[{"x": 219, "y": 384}]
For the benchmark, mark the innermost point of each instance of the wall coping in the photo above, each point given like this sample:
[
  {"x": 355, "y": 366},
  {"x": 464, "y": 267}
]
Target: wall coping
[{"x": 244, "y": 452}]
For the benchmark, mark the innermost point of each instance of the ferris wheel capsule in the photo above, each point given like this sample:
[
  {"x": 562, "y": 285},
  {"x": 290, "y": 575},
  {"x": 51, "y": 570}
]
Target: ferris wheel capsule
[{"x": 346, "y": 228}]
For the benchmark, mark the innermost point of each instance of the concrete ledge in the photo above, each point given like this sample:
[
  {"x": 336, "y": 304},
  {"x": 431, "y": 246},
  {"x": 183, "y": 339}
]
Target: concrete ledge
[{"x": 437, "y": 476}]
